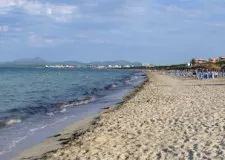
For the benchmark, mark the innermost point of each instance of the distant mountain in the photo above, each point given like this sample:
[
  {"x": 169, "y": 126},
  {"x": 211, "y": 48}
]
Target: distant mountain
[
  {"x": 40, "y": 61},
  {"x": 30, "y": 61}
]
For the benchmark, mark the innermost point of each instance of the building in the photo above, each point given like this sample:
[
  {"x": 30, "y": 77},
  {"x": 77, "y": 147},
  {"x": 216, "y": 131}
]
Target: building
[
  {"x": 200, "y": 61},
  {"x": 100, "y": 67},
  {"x": 210, "y": 60},
  {"x": 221, "y": 59},
  {"x": 213, "y": 60},
  {"x": 126, "y": 66}
]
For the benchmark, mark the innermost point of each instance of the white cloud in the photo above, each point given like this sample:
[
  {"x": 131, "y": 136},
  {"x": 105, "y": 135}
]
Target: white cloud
[
  {"x": 5, "y": 6},
  {"x": 57, "y": 12},
  {"x": 5, "y": 3},
  {"x": 9, "y": 33},
  {"x": 126, "y": 21}
]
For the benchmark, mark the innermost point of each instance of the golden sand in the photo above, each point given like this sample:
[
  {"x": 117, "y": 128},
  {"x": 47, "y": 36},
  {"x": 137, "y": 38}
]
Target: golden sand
[{"x": 170, "y": 118}]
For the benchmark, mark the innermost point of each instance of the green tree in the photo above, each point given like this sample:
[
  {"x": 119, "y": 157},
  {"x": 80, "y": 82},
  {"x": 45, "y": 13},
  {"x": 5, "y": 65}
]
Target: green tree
[{"x": 193, "y": 61}]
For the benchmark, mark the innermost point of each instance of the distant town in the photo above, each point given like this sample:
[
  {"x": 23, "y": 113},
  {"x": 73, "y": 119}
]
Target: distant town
[
  {"x": 99, "y": 66},
  {"x": 39, "y": 62},
  {"x": 120, "y": 64},
  {"x": 196, "y": 61}
]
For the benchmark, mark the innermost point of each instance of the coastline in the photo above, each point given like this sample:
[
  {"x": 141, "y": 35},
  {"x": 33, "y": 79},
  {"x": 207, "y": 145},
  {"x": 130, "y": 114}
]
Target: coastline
[
  {"x": 57, "y": 141},
  {"x": 71, "y": 132},
  {"x": 169, "y": 118}
]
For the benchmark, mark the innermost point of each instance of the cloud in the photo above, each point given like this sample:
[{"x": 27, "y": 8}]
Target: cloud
[
  {"x": 150, "y": 23},
  {"x": 5, "y": 3},
  {"x": 35, "y": 40},
  {"x": 58, "y": 12},
  {"x": 4, "y": 7},
  {"x": 10, "y": 33},
  {"x": 4, "y": 28}
]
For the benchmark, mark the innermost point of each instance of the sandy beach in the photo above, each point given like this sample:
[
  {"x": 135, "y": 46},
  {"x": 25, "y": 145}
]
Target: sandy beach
[{"x": 168, "y": 118}]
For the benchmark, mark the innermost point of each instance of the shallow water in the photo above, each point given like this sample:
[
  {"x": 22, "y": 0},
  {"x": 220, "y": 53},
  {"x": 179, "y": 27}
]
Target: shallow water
[{"x": 38, "y": 102}]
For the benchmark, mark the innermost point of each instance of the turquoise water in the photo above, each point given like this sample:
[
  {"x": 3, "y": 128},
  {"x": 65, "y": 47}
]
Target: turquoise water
[{"x": 32, "y": 99}]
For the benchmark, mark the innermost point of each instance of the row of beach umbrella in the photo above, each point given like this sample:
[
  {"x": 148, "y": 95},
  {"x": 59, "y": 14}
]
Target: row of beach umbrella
[{"x": 198, "y": 75}]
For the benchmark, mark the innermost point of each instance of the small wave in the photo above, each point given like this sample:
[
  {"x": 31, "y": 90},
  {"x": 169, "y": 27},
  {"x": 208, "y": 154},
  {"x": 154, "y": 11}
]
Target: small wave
[
  {"x": 113, "y": 86},
  {"x": 46, "y": 109},
  {"x": 110, "y": 86},
  {"x": 79, "y": 102},
  {"x": 50, "y": 114},
  {"x": 12, "y": 145},
  {"x": 17, "y": 140},
  {"x": 38, "y": 128},
  {"x": 59, "y": 120},
  {"x": 128, "y": 82},
  {"x": 134, "y": 78},
  {"x": 13, "y": 122},
  {"x": 63, "y": 110}
]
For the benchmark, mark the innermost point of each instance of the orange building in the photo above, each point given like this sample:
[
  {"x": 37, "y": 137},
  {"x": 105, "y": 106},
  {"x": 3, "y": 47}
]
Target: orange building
[{"x": 211, "y": 60}]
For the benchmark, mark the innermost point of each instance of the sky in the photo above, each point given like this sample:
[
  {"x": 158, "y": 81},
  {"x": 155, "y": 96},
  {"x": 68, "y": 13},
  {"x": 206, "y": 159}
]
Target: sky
[{"x": 148, "y": 31}]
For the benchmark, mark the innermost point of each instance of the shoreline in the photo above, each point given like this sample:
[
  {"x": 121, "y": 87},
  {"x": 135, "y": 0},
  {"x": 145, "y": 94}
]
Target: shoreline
[
  {"x": 170, "y": 118},
  {"x": 73, "y": 131}
]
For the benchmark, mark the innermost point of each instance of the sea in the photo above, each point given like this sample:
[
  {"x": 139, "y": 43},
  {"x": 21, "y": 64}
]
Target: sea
[{"x": 37, "y": 102}]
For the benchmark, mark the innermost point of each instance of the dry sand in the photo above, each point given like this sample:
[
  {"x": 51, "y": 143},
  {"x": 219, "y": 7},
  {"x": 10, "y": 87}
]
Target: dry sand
[{"x": 170, "y": 118}]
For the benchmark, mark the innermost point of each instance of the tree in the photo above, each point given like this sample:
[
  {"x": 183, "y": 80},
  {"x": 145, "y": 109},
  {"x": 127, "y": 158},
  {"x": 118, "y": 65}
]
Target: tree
[{"x": 193, "y": 61}]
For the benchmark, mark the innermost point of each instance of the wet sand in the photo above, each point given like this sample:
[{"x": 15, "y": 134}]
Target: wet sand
[{"x": 168, "y": 118}]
